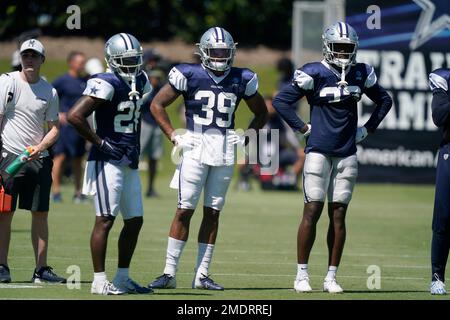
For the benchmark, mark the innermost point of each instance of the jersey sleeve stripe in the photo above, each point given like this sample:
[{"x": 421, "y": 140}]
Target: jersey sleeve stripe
[
  {"x": 371, "y": 79},
  {"x": 252, "y": 86},
  {"x": 177, "y": 79},
  {"x": 303, "y": 80},
  {"x": 437, "y": 81}
]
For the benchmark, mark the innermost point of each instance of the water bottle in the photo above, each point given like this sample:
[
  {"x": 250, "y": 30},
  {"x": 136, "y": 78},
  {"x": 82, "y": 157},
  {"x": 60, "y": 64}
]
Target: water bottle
[{"x": 19, "y": 162}]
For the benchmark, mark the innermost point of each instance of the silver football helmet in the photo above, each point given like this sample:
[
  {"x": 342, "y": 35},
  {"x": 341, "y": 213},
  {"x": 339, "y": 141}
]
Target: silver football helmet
[
  {"x": 217, "y": 49},
  {"x": 340, "y": 44},
  {"x": 123, "y": 54}
]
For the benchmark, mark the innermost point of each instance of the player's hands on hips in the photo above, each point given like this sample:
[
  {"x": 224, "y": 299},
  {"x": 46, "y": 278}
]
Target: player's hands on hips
[
  {"x": 361, "y": 134},
  {"x": 185, "y": 140},
  {"x": 234, "y": 138},
  {"x": 107, "y": 148},
  {"x": 305, "y": 131},
  {"x": 356, "y": 96}
]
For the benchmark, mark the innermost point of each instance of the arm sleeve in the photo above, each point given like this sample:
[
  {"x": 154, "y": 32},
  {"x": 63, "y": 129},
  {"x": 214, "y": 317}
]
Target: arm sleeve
[
  {"x": 283, "y": 104},
  {"x": 53, "y": 107},
  {"x": 440, "y": 107},
  {"x": 177, "y": 80},
  {"x": 285, "y": 100},
  {"x": 383, "y": 102},
  {"x": 99, "y": 88}
]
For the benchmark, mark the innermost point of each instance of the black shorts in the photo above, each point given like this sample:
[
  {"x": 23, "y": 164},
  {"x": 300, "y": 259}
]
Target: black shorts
[{"x": 31, "y": 185}]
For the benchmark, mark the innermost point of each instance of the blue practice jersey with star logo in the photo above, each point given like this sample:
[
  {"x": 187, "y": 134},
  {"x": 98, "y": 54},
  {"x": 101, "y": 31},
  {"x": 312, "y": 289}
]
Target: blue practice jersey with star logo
[
  {"x": 334, "y": 114},
  {"x": 211, "y": 101},
  {"x": 118, "y": 118}
]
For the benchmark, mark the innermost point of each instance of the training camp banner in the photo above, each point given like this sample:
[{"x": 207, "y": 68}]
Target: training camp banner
[{"x": 404, "y": 40}]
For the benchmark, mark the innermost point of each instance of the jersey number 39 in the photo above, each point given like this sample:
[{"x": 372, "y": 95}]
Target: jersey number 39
[{"x": 226, "y": 103}]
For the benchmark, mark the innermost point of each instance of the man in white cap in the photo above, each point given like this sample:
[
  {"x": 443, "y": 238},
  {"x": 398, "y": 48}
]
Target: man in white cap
[{"x": 27, "y": 103}]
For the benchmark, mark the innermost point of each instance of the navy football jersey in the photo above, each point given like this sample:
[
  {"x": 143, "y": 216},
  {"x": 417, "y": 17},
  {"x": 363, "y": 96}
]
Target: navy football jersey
[
  {"x": 439, "y": 84},
  {"x": 118, "y": 118},
  {"x": 334, "y": 115},
  {"x": 211, "y": 101}
]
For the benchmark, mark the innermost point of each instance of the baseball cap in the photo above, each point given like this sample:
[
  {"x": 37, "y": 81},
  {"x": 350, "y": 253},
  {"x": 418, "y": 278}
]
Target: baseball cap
[{"x": 34, "y": 45}]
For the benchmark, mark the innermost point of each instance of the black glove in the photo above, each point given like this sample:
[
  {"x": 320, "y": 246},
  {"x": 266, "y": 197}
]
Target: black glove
[{"x": 107, "y": 148}]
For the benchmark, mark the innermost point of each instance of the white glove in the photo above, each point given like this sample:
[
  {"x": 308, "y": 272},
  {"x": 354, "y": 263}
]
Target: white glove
[
  {"x": 185, "y": 141},
  {"x": 234, "y": 138},
  {"x": 306, "y": 134},
  {"x": 361, "y": 134}
]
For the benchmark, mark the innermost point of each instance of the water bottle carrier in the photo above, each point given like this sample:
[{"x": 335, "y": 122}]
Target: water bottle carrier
[{"x": 5, "y": 199}]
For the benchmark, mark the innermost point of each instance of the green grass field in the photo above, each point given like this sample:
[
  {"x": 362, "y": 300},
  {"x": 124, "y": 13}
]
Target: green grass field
[{"x": 255, "y": 257}]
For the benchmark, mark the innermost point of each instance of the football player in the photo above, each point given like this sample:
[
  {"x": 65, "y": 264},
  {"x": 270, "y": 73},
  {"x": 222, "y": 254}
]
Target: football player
[
  {"x": 440, "y": 106},
  {"x": 212, "y": 91},
  {"x": 333, "y": 88},
  {"x": 115, "y": 98}
]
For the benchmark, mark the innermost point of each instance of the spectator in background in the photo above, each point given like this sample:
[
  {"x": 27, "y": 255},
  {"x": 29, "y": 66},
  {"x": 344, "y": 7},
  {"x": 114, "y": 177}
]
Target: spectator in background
[
  {"x": 70, "y": 145},
  {"x": 286, "y": 70},
  {"x": 289, "y": 149},
  {"x": 290, "y": 152},
  {"x": 151, "y": 134}
]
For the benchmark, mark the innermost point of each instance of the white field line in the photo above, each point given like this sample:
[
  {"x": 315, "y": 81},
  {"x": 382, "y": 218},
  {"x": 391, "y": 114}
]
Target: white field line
[
  {"x": 277, "y": 252},
  {"x": 292, "y": 263},
  {"x": 18, "y": 286}
]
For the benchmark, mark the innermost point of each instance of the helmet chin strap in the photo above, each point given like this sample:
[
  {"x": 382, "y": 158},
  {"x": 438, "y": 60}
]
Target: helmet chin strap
[{"x": 133, "y": 94}]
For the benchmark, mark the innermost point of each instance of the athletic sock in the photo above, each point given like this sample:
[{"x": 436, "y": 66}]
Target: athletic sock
[
  {"x": 204, "y": 257},
  {"x": 331, "y": 274},
  {"x": 174, "y": 249},
  {"x": 302, "y": 271}
]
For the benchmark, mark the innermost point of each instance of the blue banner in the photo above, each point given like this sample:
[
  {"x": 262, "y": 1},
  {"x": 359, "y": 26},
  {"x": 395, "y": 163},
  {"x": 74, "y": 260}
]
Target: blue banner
[{"x": 404, "y": 40}]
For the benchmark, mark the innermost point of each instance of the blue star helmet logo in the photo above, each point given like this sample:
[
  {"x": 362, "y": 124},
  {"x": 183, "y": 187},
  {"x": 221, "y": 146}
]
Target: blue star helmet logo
[{"x": 434, "y": 18}]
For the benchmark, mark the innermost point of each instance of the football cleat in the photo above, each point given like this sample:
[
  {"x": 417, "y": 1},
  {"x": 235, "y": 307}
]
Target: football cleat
[
  {"x": 331, "y": 286},
  {"x": 302, "y": 285},
  {"x": 106, "y": 288},
  {"x": 206, "y": 283},
  {"x": 131, "y": 287},
  {"x": 5, "y": 276},
  {"x": 437, "y": 287},
  {"x": 46, "y": 274},
  {"x": 165, "y": 281}
]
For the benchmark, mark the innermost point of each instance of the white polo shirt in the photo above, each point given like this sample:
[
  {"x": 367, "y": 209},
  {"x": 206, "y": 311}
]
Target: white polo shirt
[{"x": 25, "y": 107}]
